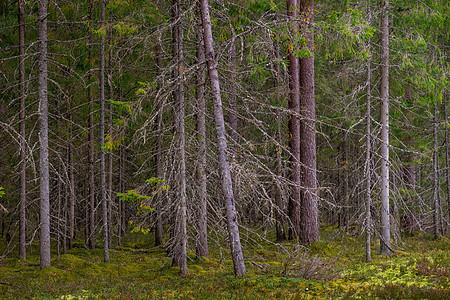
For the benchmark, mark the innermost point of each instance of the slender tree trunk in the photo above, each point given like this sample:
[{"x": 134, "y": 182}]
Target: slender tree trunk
[
  {"x": 159, "y": 147},
  {"x": 232, "y": 104},
  {"x": 91, "y": 143},
  {"x": 43, "y": 139},
  {"x": 23, "y": 162},
  {"x": 368, "y": 160},
  {"x": 110, "y": 153},
  {"x": 309, "y": 229},
  {"x": 447, "y": 157},
  {"x": 227, "y": 185},
  {"x": 281, "y": 235},
  {"x": 102, "y": 141},
  {"x": 202, "y": 242},
  {"x": 71, "y": 186},
  {"x": 294, "y": 128},
  {"x": 179, "y": 249},
  {"x": 436, "y": 200},
  {"x": 385, "y": 223}
]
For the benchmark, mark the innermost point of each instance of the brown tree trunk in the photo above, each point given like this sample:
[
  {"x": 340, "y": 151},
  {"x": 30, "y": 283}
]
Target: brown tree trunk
[
  {"x": 227, "y": 185},
  {"x": 384, "y": 120},
  {"x": 294, "y": 128},
  {"x": 102, "y": 141},
  {"x": 43, "y": 139},
  {"x": 202, "y": 241},
  {"x": 23, "y": 163},
  {"x": 309, "y": 232}
]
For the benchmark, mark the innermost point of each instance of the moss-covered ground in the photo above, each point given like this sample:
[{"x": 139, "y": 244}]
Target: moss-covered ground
[{"x": 332, "y": 269}]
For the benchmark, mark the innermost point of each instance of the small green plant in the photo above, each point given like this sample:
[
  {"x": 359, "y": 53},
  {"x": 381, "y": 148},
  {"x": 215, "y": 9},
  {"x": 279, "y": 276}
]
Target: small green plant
[{"x": 2, "y": 192}]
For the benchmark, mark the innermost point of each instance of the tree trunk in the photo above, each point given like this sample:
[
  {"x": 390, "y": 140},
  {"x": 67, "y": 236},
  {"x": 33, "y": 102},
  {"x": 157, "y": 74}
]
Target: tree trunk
[
  {"x": 368, "y": 160},
  {"x": 227, "y": 185},
  {"x": 294, "y": 128},
  {"x": 202, "y": 241},
  {"x": 309, "y": 230},
  {"x": 281, "y": 235},
  {"x": 447, "y": 157},
  {"x": 43, "y": 139},
  {"x": 91, "y": 143},
  {"x": 102, "y": 141},
  {"x": 159, "y": 146},
  {"x": 110, "y": 153},
  {"x": 385, "y": 224},
  {"x": 71, "y": 186},
  {"x": 23, "y": 163},
  {"x": 436, "y": 200},
  {"x": 179, "y": 249},
  {"x": 231, "y": 116}
]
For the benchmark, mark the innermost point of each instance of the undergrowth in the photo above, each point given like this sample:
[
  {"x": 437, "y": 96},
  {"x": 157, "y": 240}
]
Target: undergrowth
[{"x": 331, "y": 269}]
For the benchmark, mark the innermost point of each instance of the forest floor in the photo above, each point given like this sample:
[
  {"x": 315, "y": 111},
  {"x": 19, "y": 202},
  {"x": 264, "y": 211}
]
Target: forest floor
[{"x": 332, "y": 269}]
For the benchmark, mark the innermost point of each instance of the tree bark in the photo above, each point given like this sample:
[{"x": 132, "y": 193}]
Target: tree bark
[
  {"x": 179, "y": 249},
  {"x": 384, "y": 93},
  {"x": 294, "y": 128},
  {"x": 102, "y": 141},
  {"x": 23, "y": 163},
  {"x": 281, "y": 235},
  {"x": 227, "y": 185},
  {"x": 43, "y": 138},
  {"x": 309, "y": 230},
  {"x": 91, "y": 142},
  {"x": 447, "y": 157},
  {"x": 159, "y": 146},
  {"x": 368, "y": 160},
  {"x": 436, "y": 200},
  {"x": 202, "y": 241},
  {"x": 71, "y": 186}
]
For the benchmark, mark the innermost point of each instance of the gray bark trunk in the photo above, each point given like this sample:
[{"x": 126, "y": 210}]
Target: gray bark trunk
[
  {"x": 368, "y": 161},
  {"x": 179, "y": 249},
  {"x": 102, "y": 142},
  {"x": 447, "y": 157},
  {"x": 159, "y": 148},
  {"x": 294, "y": 129},
  {"x": 309, "y": 230},
  {"x": 91, "y": 144},
  {"x": 227, "y": 185},
  {"x": 436, "y": 200},
  {"x": 43, "y": 139},
  {"x": 23, "y": 163},
  {"x": 202, "y": 241},
  {"x": 385, "y": 215}
]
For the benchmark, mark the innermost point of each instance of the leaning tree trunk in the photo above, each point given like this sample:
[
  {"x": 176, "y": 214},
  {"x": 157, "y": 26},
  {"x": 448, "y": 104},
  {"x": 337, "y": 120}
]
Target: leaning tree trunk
[
  {"x": 384, "y": 93},
  {"x": 294, "y": 128},
  {"x": 179, "y": 248},
  {"x": 23, "y": 163},
  {"x": 227, "y": 185},
  {"x": 43, "y": 139},
  {"x": 202, "y": 241},
  {"x": 309, "y": 230}
]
